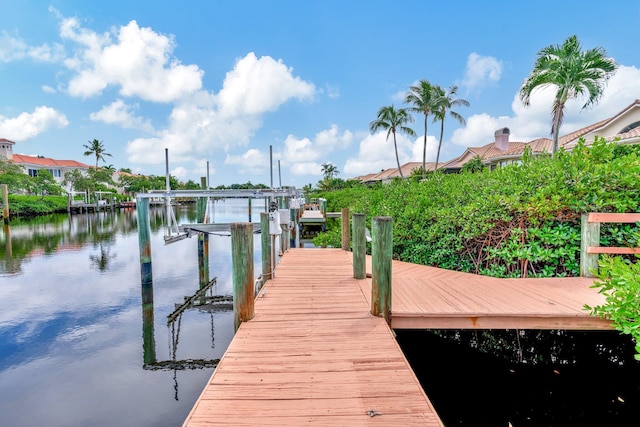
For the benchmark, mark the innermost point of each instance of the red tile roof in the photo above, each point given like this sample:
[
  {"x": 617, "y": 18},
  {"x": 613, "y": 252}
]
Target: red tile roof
[{"x": 47, "y": 162}]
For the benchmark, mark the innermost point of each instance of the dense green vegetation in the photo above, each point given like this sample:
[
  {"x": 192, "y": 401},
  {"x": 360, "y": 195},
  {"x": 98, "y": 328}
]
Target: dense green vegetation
[
  {"x": 36, "y": 205},
  {"x": 518, "y": 221}
]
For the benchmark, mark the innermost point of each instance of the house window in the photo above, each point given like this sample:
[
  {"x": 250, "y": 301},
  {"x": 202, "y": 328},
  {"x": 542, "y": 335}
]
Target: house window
[
  {"x": 55, "y": 173},
  {"x": 33, "y": 172},
  {"x": 630, "y": 127}
]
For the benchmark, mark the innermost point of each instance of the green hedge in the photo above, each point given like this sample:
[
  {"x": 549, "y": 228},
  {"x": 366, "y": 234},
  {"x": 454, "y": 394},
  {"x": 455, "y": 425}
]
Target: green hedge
[
  {"x": 517, "y": 221},
  {"x": 36, "y": 205}
]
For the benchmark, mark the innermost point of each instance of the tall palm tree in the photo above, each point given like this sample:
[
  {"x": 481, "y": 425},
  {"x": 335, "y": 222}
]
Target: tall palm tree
[
  {"x": 393, "y": 120},
  {"x": 573, "y": 72},
  {"x": 444, "y": 106},
  {"x": 422, "y": 97},
  {"x": 329, "y": 170},
  {"x": 95, "y": 148}
]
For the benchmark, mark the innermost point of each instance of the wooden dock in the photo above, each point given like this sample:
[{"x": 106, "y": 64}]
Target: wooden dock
[
  {"x": 313, "y": 355},
  {"x": 434, "y": 298}
]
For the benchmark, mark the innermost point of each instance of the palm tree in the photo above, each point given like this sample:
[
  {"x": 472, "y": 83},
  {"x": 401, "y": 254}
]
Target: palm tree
[
  {"x": 573, "y": 72},
  {"x": 443, "y": 106},
  {"x": 393, "y": 120},
  {"x": 329, "y": 170},
  {"x": 95, "y": 148},
  {"x": 422, "y": 97}
]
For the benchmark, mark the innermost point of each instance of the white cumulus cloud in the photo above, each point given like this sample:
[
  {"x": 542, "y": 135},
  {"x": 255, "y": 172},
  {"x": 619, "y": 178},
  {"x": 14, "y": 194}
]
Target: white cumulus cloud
[
  {"x": 28, "y": 125},
  {"x": 139, "y": 62},
  {"x": 376, "y": 154},
  {"x": 16, "y": 49},
  {"x": 258, "y": 85},
  {"x": 121, "y": 114},
  {"x": 481, "y": 70}
]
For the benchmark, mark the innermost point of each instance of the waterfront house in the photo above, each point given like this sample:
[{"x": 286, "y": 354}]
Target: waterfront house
[{"x": 32, "y": 164}]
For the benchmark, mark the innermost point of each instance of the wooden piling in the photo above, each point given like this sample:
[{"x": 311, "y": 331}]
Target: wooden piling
[
  {"x": 265, "y": 239},
  {"x": 293, "y": 216},
  {"x": 359, "y": 246},
  {"x": 144, "y": 242},
  {"x": 590, "y": 236},
  {"x": 381, "y": 252},
  {"x": 242, "y": 266},
  {"x": 249, "y": 209},
  {"x": 346, "y": 230},
  {"x": 5, "y": 203}
]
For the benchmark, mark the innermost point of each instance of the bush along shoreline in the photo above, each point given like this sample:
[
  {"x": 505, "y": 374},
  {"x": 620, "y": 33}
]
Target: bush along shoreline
[{"x": 517, "y": 221}]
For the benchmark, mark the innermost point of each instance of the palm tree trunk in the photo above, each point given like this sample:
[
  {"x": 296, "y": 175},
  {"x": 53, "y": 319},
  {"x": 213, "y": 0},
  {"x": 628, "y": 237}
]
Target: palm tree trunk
[
  {"x": 556, "y": 125},
  {"x": 395, "y": 146},
  {"x": 439, "y": 144},
  {"x": 424, "y": 150}
]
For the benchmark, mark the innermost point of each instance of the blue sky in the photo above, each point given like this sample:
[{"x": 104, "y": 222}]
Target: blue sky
[{"x": 222, "y": 81}]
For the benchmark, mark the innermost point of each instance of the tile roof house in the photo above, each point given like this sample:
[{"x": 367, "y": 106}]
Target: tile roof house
[
  {"x": 624, "y": 127},
  {"x": 389, "y": 174},
  {"x": 32, "y": 164}
]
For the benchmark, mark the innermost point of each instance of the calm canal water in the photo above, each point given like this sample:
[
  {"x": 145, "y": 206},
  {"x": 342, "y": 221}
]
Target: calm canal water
[{"x": 73, "y": 345}]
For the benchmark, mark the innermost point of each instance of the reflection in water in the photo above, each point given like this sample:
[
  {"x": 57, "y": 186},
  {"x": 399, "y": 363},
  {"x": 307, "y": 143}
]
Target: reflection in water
[
  {"x": 198, "y": 300},
  {"x": 103, "y": 259},
  {"x": 70, "y": 344}
]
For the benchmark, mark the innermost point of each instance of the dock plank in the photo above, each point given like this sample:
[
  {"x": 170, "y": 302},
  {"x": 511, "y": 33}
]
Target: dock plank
[{"x": 313, "y": 355}]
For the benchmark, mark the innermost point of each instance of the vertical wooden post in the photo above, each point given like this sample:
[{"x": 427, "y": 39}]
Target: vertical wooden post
[
  {"x": 590, "y": 236},
  {"x": 249, "y": 209},
  {"x": 381, "y": 252},
  {"x": 242, "y": 265},
  {"x": 265, "y": 239},
  {"x": 203, "y": 259},
  {"x": 346, "y": 230},
  {"x": 293, "y": 216},
  {"x": 323, "y": 207},
  {"x": 148, "y": 330},
  {"x": 5, "y": 203},
  {"x": 144, "y": 242},
  {"x": 359, "y": 246}
]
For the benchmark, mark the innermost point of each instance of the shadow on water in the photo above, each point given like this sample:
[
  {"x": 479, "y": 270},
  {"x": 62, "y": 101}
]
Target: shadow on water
[{"x": 527, "y": 378}]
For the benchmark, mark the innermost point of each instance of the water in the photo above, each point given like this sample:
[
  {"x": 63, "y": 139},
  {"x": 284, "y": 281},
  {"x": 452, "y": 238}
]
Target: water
[
  {"x": 527, "y": 378},
  {"x": 72, "y": 351}
]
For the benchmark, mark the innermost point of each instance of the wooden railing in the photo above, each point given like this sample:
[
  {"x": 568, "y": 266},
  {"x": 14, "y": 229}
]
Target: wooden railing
[{"x": 590, "y": 247}]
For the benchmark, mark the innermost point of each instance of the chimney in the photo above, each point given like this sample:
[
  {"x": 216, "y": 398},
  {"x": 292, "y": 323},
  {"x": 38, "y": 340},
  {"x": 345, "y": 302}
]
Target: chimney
[{"x": 502, "y": 139}]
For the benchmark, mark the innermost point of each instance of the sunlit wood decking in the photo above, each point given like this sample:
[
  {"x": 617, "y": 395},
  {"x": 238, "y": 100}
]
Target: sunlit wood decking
[
  {"x": 313, "y": 355},
  {"x": 431, "y": 298}
]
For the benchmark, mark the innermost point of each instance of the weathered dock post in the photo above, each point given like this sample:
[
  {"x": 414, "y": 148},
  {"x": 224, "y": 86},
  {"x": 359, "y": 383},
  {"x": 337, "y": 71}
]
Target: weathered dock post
[
  {"x": 242, "y": 265},
  {"x": 590, "y": 236},
  {"x": 249, "y": 208},
  {"x": 265, "y": 239},
  {"x": 203, "y": 238},
  {"x": 381, "y": 252},
  {"x": 144, "y": 243},
  {"x": 346, "y": 230},
  {"x": 5, "y": 203},
  {"x": 359, "y": 246},
  {"x": 293, "y": 216}
]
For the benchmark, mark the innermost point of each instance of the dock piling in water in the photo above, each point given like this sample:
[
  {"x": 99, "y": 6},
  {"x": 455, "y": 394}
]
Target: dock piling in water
[{"x": 242, "y": 266}]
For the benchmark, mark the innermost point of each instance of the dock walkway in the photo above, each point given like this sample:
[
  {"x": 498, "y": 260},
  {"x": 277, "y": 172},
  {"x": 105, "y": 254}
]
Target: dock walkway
[
  {"x": 313, "y": 355},
  {"x": 426, "y": 297}
]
